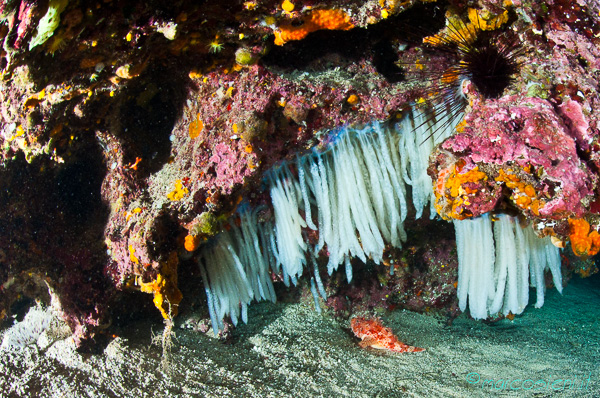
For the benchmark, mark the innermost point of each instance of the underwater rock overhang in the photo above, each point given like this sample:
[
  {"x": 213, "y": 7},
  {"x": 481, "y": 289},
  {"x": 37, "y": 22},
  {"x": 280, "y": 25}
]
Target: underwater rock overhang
[
  {"x": 350, "y": 200},
  {"x": 181, "y": 138}
]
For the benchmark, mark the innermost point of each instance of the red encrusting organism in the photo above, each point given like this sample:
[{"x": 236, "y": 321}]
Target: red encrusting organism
[{"x": 374, "y": 334}]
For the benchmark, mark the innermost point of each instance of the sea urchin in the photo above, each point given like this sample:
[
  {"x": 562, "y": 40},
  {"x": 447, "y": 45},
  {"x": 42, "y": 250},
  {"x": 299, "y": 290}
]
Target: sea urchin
[{"x": 479, "y": 53}]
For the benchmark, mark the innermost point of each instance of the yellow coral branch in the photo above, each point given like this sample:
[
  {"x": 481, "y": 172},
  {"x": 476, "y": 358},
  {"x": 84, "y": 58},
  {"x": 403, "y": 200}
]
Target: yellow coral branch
[{"x": 167, "y": 295}]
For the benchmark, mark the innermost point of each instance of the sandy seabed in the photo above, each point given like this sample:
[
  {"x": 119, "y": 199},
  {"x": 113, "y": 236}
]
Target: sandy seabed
[{"x": 289, "y": 350}]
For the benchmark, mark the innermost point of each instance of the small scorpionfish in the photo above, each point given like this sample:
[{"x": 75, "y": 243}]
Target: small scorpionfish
[{"x": 374, "y": 334}]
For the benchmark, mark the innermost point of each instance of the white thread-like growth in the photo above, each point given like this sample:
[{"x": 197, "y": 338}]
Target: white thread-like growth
[
  {"x": 256, "y": 262},
  {"x": 543, "y": 255},
  {"x": 355, "y": 195},
  {"x": 418, "y": 139},
  {"x": 285, "y": 194},
  {"x": 235, "y": 269},
  {"x": 500, "y": 284}
]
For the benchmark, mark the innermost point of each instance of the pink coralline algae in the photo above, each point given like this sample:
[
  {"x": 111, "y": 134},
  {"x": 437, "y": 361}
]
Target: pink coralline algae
[
  {"x": 226, "y": 161},
  {"x": 23, "y": 21},
  {"x": 529, "y": 148},
  {"x": 577, "y": 122}
]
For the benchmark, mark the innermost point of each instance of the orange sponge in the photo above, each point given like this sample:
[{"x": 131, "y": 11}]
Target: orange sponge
[
  {"x": 316, "y": 20},
  {"x": 192, "y": 242},
  {"x": 583, "y": 242}
]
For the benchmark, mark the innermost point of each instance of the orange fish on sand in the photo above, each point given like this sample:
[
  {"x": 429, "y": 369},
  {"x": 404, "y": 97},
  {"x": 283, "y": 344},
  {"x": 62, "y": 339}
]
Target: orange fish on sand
[{"x": 374, "y": 334}]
